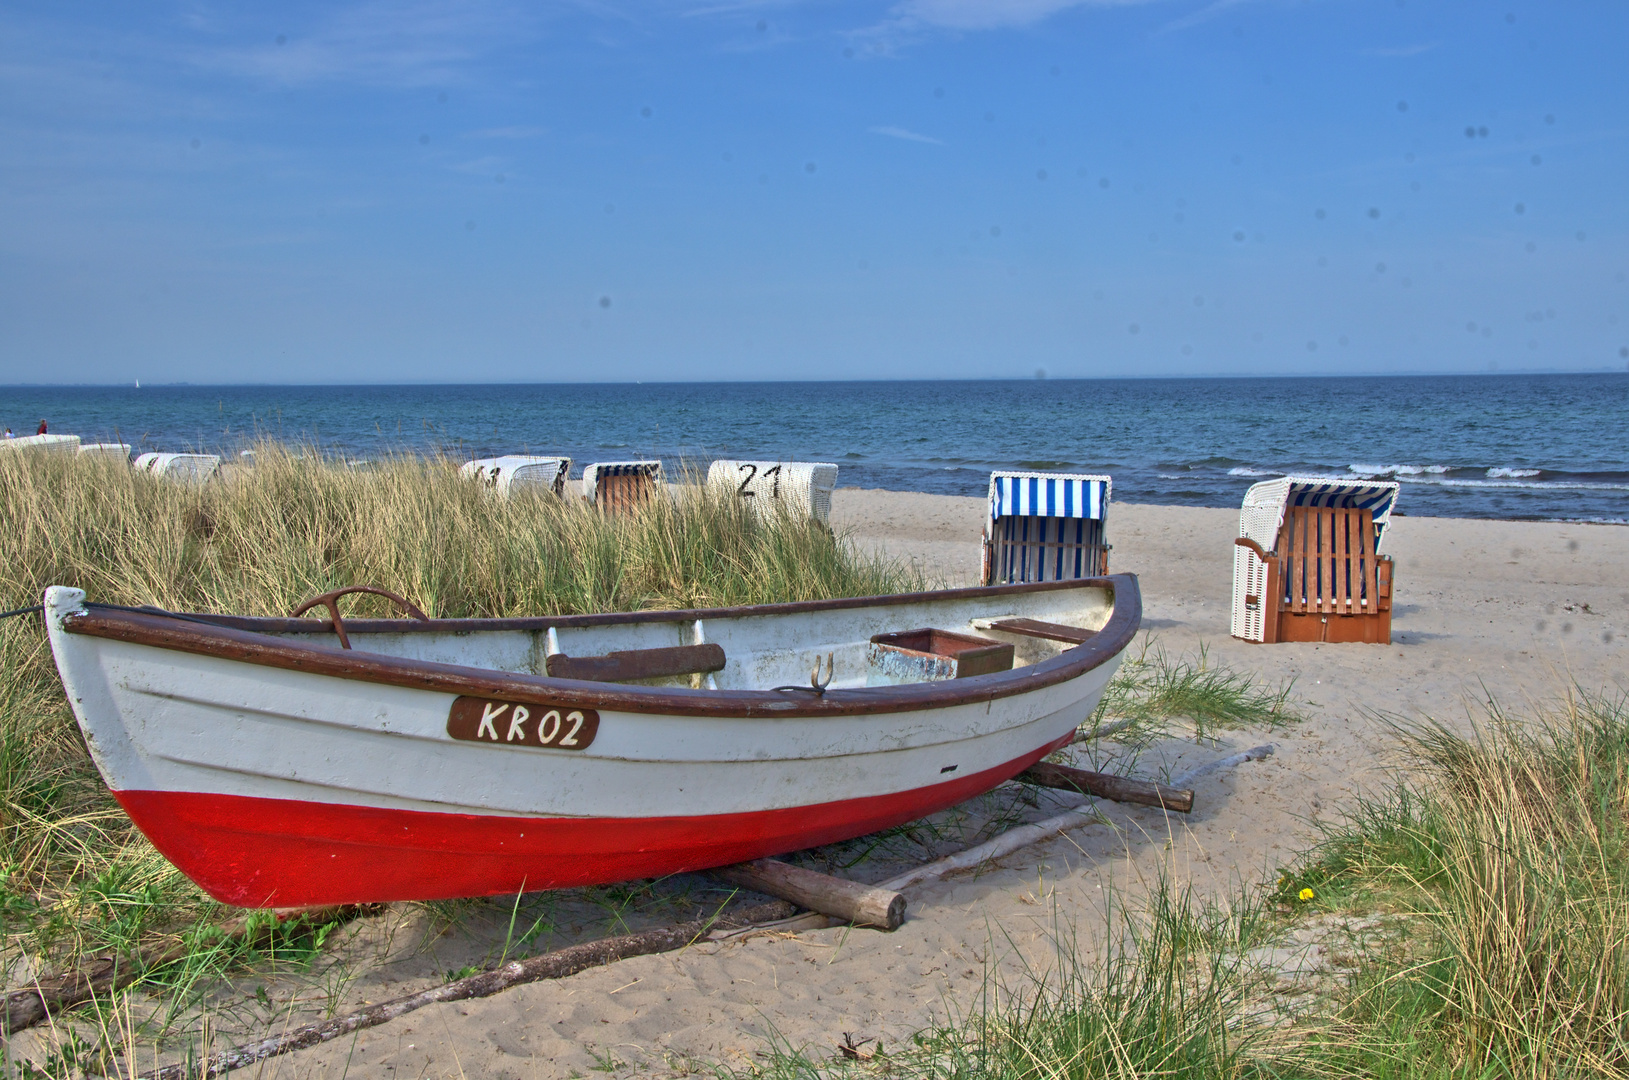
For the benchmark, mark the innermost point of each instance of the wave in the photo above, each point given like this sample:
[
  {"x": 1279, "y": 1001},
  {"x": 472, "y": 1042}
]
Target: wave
[
  {"x": 1370, "y": 471},
  {"x": 1509, "y": 473},
  {"x": 1240, "y": 470}
]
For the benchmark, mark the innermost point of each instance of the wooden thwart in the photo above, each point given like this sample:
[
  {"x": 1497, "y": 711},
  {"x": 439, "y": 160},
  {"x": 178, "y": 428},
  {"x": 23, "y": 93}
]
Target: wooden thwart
[
  {"x": 639, "y": 663},
  {"x": 1074, "y": 635},
  {"x": 1104, "y": 786},
  {"x": 847, "y": 901}
]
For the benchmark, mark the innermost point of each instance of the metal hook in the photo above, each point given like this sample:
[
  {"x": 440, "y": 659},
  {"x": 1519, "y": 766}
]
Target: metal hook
[{"x": 814, "y": 676}]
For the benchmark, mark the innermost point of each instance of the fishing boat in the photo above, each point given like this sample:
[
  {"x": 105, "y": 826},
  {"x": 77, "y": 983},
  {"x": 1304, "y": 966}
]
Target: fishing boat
[{"x": 300, "y": 761}]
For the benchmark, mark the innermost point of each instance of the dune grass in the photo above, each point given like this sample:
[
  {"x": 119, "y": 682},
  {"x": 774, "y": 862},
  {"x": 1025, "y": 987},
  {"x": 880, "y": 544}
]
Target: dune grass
[
  {"x": 1508, "y": 861},
  {"x": 75, "y": 877},
  {"x": 1476, "y": 918}
]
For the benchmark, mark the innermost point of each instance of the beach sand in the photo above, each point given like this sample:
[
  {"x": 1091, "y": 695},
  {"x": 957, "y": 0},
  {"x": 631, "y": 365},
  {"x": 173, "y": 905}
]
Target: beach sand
[{"x": 1509, "y": 609}]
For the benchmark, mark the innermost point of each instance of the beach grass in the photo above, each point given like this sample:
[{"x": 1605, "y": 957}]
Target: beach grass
[
  {"x": 1471, "y": 922},
  {"x": 1154, "y": 689},
  {"x": 76, "y": 879}
]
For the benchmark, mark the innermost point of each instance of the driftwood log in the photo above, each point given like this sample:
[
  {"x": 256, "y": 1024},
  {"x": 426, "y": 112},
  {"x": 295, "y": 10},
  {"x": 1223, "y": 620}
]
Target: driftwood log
[
  {"x": 844, "y": 900},
  {"x": 26, "y": 1007},
  {"x": 1104, "y": 786},
  {"x": 551, "y": 965}
]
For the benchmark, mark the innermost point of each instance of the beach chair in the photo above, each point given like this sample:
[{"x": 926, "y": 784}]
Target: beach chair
[
  {"x": 1046, "y": 527},
  {"x": 621, "y": 486},
  {"x": 60, "y": 444},
  {"x": 118, "y": 451},
  {"x": 1307, "y": 563},
  {"x": 517, "y": 472},
  {"x": 186, "y": 468},
  {"x": 803, "y": 487}
]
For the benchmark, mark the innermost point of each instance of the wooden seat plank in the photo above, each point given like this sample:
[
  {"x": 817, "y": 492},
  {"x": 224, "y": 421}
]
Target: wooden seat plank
[{"x": 1074, "y": 635}]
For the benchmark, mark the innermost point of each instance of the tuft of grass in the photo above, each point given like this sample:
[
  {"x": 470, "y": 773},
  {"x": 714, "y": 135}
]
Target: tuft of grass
[
  {"x": 1174, "y": 994},
  {"x": 76, "y": 879},
  {"x": 1506, "y": 854},
  {"x": 1153, "y": 688}
]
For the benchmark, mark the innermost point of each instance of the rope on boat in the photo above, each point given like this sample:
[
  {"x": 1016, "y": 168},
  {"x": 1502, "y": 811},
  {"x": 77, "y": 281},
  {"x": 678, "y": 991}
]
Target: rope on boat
[{"x": 22, "y": 611}]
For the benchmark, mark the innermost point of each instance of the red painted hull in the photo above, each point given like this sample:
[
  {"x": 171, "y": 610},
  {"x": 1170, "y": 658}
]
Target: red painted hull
[{"x": 256, "y": 852}]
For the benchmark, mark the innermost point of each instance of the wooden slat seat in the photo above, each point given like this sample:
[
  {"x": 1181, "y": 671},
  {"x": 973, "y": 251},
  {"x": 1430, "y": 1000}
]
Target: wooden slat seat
[
  {"x": 1330, "y": 583},
  {"x": 1074, "y": 635}
]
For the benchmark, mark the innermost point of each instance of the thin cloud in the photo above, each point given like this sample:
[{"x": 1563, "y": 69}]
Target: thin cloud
[
  {"x": 397, "y": 43},
  {"x": 990, "y": 14},
  {"x": 1203, "y": 15},
  {"x": 901, "y": 133},
  {"x": 507, "y": 133},
  {"x": 1401, "y": 50}
]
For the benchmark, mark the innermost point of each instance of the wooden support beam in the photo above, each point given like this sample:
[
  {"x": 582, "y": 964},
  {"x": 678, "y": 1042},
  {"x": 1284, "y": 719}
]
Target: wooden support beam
[
  {"x": 1104, "y": 786},
  {"x": 840, "y": 898}
]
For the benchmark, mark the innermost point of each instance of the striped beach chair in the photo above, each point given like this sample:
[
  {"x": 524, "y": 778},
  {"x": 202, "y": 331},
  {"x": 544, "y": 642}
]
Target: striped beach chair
[
  {"x": 1307, "y": 564},
  {"x": 803, "y": 487},
  {"x": 618, "y": 487},
  {"x": 1046, "y": 527},
  {"x": 518, "y": 472}
]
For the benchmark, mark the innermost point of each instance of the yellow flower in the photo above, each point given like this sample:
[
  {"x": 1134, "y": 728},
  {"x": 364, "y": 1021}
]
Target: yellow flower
[{"x": 1307, "y": 894}]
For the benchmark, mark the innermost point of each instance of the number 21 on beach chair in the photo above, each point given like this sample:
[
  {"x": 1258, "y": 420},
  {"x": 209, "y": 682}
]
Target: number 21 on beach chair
[
  {"x": 1046, "y": 527},
  {"x": 1307, "y": 563},
  {"x": 802, "y": 487}
]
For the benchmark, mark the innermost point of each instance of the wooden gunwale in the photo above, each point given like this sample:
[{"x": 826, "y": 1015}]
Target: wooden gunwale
[{"x": 248, "y": 640}]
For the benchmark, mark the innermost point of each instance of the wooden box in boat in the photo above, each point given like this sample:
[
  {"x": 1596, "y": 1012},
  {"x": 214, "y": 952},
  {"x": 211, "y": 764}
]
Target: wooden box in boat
[{"x": 438, "y": 759}]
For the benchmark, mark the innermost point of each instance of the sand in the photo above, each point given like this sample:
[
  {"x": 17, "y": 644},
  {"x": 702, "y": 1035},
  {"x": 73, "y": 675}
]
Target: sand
[{"x": 1513, "y": 610}]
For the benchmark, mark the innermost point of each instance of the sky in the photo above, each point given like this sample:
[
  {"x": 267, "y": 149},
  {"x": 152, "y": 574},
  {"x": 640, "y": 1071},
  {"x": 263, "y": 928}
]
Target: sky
[{"x": 485, "y": 190}]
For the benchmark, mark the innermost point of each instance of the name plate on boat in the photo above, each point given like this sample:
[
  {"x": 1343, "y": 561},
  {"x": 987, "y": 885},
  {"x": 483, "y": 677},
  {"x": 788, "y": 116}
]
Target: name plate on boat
[{"x": 511, "y": 723}]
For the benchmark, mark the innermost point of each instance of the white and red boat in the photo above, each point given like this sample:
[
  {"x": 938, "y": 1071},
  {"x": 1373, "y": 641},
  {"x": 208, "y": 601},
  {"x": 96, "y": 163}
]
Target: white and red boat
[{"x": 300, "y": 761}]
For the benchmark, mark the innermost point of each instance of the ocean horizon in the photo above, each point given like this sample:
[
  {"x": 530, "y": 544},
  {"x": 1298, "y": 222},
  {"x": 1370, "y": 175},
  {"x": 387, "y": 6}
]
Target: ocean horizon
[{"x": 1521, "y": 446}]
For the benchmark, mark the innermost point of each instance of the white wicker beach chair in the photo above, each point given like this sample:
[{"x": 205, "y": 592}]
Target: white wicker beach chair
[
  {"x": 187, "y": 468},
  {"x": 618, "y": 486},
  {"x": 61, "y": 444},
  {"x": 803, "y": 487},
  {"x": 515, "y": 472},
  {"x": 1307, "y": 564},
  {"x": 116, "y": 450},
  {"x": 1046, "y": 527}
]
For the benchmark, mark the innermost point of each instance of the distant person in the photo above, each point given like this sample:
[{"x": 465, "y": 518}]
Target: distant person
[
  {"x": 41, "y": 431},
  {"x": 9, "y": 435}
]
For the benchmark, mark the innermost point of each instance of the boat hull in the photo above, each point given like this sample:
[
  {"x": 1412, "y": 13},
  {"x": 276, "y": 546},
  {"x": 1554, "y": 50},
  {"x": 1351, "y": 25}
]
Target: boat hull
[
  {"x": 257, "y": 852},
  {"x": 277, "y": 771}
]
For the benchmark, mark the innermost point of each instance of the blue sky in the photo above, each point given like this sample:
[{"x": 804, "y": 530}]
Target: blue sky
[{"x": 472, "y": 190}]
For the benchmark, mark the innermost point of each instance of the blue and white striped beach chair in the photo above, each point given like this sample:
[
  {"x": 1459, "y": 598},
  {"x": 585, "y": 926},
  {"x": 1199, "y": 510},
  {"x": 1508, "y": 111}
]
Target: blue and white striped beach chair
[{"x": 1046, "y": 527}]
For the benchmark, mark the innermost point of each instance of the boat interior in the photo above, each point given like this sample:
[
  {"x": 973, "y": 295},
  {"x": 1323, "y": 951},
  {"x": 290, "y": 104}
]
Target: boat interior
[{"x": 844, "y": 644}]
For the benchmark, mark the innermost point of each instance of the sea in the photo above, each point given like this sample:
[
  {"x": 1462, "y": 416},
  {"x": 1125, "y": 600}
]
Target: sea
[{"x": 1538, "y": 447}]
